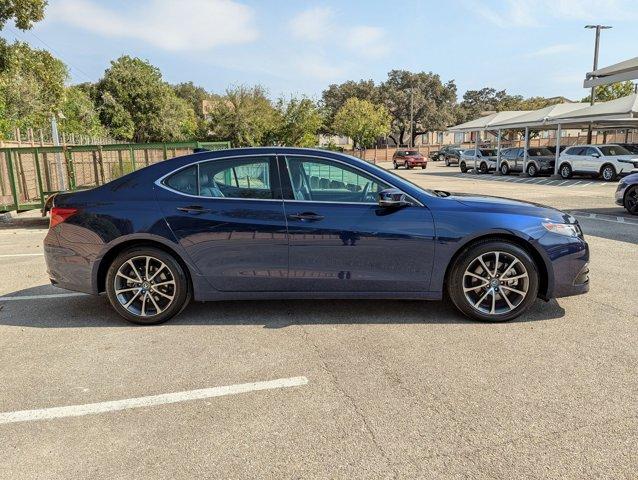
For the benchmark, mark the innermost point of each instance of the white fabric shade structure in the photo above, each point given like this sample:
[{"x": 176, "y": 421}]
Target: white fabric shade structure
[
  {"x": 619, "y": 113},
  {"x": 619, "y": 72}
]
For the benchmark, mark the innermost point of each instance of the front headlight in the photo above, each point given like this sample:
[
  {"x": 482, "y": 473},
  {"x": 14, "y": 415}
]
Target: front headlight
[{"x": 567, "y": 229}]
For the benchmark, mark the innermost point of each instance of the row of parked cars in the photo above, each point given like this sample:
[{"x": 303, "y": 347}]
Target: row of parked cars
[{"x": 605, "y": 161}]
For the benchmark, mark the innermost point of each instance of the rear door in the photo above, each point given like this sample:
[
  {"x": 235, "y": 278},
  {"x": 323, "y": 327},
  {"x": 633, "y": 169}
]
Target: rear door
[
  {"x": 228, "y": 215},
  {"x": 342, "y": 241}
]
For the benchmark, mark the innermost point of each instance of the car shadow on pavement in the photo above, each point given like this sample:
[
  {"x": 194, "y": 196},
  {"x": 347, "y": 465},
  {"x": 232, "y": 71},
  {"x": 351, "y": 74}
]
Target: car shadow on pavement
[{"x": 92, "y": 311}]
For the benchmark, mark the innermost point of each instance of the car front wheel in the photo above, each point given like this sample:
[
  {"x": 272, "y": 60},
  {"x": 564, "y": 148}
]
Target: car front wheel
[
  {"x": 493, "y": 281},
  {"x": 147, "y": 286},
  {"x": 505, "y": 169},
  {"x": 532, "y": 171},
  {"x": 631, "y": 200},
  {"x": 565, "y": 171},
  {"x": 447, "y": 162},
  {"x": 483, "y": 168},
  {"x": 463, "y": 167},
  {"x": 396, "y": 166}
]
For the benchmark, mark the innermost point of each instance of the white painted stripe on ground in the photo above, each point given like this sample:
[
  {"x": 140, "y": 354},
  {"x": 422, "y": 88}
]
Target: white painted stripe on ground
[
  {"x": 588, "y": 183},
  {"x": 563, "y": 183},
  {"x": 39, "y": 297},
  {"x": 150, "y": 401},
  {"x": 574, "y": 184},
  {"x": 10, "y": 255}
]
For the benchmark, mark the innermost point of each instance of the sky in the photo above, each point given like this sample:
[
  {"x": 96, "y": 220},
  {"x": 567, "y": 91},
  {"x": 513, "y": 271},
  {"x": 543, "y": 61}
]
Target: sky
[{"x": 299, "y": 47}]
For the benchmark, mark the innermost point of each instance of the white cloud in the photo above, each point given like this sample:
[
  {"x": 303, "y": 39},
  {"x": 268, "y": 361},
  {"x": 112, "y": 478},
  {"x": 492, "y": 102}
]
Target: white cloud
[
  {"x": 553, "y": 50},
  {"x": 369, "y": 41},
  {"x": 312, "y": 24},
  {"x": 170, "y": 25},
  {"x": 532, "y": 13}
]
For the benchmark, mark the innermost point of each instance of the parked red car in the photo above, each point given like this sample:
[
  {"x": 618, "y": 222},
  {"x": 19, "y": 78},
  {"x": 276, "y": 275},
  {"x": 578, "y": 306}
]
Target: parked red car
[{"x": 408, "y": 159}]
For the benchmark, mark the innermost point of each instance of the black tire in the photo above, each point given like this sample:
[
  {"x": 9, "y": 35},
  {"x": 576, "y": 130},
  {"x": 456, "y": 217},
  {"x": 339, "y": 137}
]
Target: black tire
[
  {"x": 565, "y": 171},
  {"x": 440, "y": 158},
  {"x": 505, "y": 169},
  {"x": 608, "y": 173},
  {"x": 483, "y": 168},
  {"x": 447, "y": 162},
  {"x": 396, "y": 166},
  {"x": 631, "y": 200},
  {"x": 507, "y": 250},
  {"x": 181, "y": 293},
  {"x": 407, "y": 166},
  {"x": 463, "y": 167},
  {"x": 532, "y": 171}
]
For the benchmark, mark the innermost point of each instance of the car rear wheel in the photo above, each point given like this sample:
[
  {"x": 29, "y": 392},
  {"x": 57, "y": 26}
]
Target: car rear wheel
[
  {"x": 483, "y": 168},
  {"x": 493, "y": 281},
  {"x": 447, "y": 162},
  {"x": 532, "y": 171},
  {"x": 147, "y": 286},
  {"x": 631, "y": 200},
  {"x": 608, "y": 172},
  {"x": 565, "y": 171},
  {"x": 463, "y": 167},
  {"x": 505, "y": 169}
]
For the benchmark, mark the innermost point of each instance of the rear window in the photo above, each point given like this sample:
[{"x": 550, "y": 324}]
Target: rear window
[
  {"x": 611, "y": 150},
  {"x": 184, "y": 181},
  {"x": 486, "y": 152},
  {"x": 539, "y": 152}
]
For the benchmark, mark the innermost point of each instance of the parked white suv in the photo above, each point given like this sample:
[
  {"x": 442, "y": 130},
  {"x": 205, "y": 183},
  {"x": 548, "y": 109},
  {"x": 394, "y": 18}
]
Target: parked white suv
[{"x": 606, "y": 161}]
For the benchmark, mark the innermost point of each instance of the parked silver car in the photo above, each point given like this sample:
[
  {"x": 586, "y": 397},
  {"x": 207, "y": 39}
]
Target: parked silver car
[
  {"x": 485, "y": 160},
  {"x": 539, "y": 160}
]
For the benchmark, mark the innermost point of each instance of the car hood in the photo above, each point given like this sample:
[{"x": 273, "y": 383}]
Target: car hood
[
  {"x": 507, "y": 205},
  {"x": 630, "y": 179}
]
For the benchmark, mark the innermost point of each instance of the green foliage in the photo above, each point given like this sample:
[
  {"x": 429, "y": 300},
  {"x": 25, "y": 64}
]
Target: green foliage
[
  {"x": 432, "y": 102},
  {"x": 31, "y": 85},
  {"x": 195, "y": 97},
  {"x": 335, "y": 96},
  {"x": 245, "y": 116},
  {"x": 80, "y": 114},
  {"x": 299, "y": 122},
  {"x": 136, "y": 104},
  {"x": 604, "y": 93},
  {"x": 24, "y": 12},
  {"x": 362, "y": 121}
]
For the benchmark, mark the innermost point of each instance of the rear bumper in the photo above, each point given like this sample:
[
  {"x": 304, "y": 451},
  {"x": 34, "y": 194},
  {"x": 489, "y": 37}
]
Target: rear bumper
[{"x": 68, "y": 268}]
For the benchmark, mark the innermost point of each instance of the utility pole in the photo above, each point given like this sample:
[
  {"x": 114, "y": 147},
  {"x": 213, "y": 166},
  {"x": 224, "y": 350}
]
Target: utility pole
[
  {"x": 596, "y": 48},
  {"x": 411, "y": 117}
]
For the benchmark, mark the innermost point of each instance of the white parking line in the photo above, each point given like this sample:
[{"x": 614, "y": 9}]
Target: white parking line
[
  {"x": 39, "y": 297},
  {"x": 10, "y": 255},
  {"x": 150, "y": 401}
]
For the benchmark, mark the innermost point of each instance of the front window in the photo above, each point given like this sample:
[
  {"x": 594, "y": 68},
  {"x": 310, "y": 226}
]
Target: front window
[
  {"x": 486, "y": 152},
  {"x": 321, "y": 180},
  {"x": 539, "y": 152},
  {"x": 613, "y": 150}
]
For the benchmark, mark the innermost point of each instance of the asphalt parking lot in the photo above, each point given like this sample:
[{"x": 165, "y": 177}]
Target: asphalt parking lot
[{"x": 357, "y": 389}]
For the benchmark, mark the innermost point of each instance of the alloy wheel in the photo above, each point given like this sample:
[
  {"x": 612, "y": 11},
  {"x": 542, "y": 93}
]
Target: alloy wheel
[
  {"x": 609, "y": 173},
  {"x": 631, "y": 200},
  {"x": 144, "y": 286},
  {"x": 531, "y": 170},
  {"x": 495, "y": 283}
]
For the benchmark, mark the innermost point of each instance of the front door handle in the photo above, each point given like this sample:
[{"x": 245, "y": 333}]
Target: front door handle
[
  {"x": 306, "y": 217},
  {"x": 194, "y": 209}
]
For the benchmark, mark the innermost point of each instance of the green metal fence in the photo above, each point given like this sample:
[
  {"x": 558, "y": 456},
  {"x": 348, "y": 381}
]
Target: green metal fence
[{"x": 29, "y": 174}]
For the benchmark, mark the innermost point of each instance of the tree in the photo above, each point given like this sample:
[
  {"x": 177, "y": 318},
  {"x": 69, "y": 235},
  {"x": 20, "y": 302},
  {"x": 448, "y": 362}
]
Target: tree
[
  {"x": 195, "y": 97},
  {"x": 80, "y": 115},
  {"x": 299, "y": 122},
  {"x": 604, "y": 93},
  {"x": 31, "y": 84},
  {"x": 362, "y": 121},
  {"x": 476, "y": 102},
  {"x": 431, "y": 101},
  {"x": 245, "y": 116},
  {"x": 335, "y": 96},
  {"x": 24, "y": 12},
  {"x": 133, "y": 94}
]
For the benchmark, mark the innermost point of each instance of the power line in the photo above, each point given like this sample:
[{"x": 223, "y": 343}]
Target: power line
[{"x": 71, "y": 66}]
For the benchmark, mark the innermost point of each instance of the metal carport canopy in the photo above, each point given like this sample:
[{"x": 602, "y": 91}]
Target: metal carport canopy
[
  {"x": 485, "y": 123},
  {"x": 619, "y": 72},
  {"x": 538, "y": 119},
  {"x": 613, "y": 113}
]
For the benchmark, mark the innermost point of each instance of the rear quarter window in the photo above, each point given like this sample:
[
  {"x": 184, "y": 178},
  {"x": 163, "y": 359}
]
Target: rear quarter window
[{"x": 183, "y": 181}]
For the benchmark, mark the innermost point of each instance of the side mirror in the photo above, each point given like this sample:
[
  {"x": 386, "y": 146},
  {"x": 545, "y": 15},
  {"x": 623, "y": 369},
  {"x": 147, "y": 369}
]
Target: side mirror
[
  {"x": 393, "y": 198},
  {"x": 596, "y": 155}
]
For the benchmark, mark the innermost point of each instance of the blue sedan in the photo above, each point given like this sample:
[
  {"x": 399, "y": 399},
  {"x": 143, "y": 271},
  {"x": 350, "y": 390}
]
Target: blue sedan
[{"x": 269, "y": 223}]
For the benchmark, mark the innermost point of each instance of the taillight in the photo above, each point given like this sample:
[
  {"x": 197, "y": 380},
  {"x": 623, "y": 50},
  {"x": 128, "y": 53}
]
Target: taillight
[{"x": 61, "y": 214}]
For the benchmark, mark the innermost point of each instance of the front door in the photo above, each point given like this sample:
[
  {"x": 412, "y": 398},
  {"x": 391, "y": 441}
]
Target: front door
[
  {"x": 228, "y": 215},
  {"x": 342, "y": 241}
]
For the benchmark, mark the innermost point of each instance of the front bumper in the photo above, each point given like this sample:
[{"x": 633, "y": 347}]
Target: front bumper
[{"x": 569, "y": 259}]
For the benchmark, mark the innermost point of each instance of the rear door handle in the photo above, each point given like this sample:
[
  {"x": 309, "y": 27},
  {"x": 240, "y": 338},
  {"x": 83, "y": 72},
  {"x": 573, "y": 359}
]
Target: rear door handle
[
  {"x": 306, "y": 216},
  {"x": 194, "y": 209}
]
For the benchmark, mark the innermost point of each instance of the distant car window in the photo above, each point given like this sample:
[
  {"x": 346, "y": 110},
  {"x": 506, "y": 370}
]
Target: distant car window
[
  {"x": 539, "y": 152},
  {"x": 184, "y": 181},
  {"x": 486, "y": 152},
  {"x": 575, "y": 151},
  {"x": 590, "y": 152},
  {"x": 633, "y": 149},
  {"x": 411, "y": 152},
  {"x": 612, "y": 150},
  {"x": 237, "y": 178},
  {"x": 322, "y": 180}
]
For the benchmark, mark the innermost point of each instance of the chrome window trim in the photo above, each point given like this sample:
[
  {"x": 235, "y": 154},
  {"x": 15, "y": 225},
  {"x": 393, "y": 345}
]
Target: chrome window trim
[{"x": 159, "y": 181}]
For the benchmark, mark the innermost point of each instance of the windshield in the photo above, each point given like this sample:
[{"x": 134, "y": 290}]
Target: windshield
[
  {"x": 409, "y": 153},
  {"x": 611, "y": 150},
  {"x": 539, "y": 152}
]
